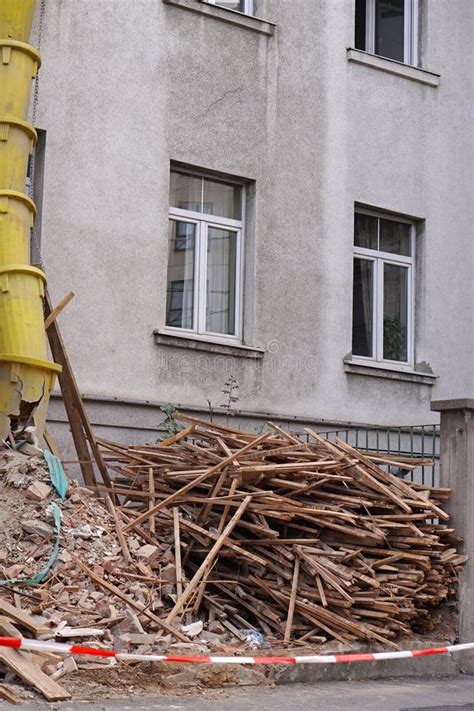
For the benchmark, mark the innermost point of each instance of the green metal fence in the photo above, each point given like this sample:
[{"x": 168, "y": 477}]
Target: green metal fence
[{"x": 421, "y": 442}]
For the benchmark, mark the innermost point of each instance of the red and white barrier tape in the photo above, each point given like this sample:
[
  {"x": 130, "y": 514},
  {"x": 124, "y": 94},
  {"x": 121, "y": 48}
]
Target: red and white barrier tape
[{"x": 34, "y": 645}]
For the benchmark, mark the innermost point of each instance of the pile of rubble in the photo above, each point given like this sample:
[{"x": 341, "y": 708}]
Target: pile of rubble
[
  {"x": 217, "y": 540},
  {"x": 92, "y": 594}
]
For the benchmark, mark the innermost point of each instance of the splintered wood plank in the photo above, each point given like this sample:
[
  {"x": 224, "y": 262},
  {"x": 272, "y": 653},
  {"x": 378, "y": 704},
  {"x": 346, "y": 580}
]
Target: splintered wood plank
[
  {"x": 320, "y": 570},
  {"x": 27, "y": 670},
  {"x": 402, "y": 486},
  {"x": 322, "y": 594},
  {"x": 361, "y": 474},
  {"x": 9, "y": 695},
  {"x": 24, "y": 619},
  {"x": 7, "y": 629}
]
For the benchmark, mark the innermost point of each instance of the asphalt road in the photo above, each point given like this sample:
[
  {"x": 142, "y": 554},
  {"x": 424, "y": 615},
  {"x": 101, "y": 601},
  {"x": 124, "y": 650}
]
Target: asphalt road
[{"x": 446, "y": 694}]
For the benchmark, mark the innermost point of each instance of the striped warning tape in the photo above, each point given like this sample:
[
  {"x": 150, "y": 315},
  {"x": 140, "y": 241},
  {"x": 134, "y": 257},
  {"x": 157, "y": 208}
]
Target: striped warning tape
[{"x": 34, "y": 645}]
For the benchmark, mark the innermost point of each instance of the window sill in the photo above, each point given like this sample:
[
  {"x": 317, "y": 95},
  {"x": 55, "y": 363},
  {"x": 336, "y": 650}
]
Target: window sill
[
  {"x": 248, "y": 22},
  {"x": 390, "y": 66},
  {"x": 377, "y": 370},
  {"x": 207, "y": 345}
]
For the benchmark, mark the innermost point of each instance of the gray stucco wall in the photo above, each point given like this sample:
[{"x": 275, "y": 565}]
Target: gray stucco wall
[{"x": 127, "y": 87}]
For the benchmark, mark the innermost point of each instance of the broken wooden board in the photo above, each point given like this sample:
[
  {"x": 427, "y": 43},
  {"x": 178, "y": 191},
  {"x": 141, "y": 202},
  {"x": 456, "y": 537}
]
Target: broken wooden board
[{"x": 19, "y": 663}]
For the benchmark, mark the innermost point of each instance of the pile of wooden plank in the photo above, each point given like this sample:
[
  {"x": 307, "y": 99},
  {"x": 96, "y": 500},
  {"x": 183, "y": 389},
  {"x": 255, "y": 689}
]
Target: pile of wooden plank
[{"x": 302, "y": 542}]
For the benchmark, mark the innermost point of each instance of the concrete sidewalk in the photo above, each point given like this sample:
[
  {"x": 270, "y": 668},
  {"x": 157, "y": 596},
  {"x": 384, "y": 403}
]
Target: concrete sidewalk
[{"x": 450, "y": 693}]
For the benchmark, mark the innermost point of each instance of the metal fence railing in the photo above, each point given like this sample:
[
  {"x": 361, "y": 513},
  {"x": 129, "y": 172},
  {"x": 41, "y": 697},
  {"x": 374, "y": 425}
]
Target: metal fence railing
[{"x": 418, "y": 442}]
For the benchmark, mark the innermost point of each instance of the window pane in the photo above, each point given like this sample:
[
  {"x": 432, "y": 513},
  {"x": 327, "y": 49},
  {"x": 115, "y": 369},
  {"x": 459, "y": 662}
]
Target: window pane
[
  {"x": 223, "y": 199},
  {"x": 232, "y": 4},
  {"x": 395, "y": 312},
  {"x": 221, "y": 266},
  {"x": 360, "y": 13},
  {"x": 185, "y": 191},
  {"x": 395, "y": 237},
  {"x": 180, "y": 286},
  {"x": 389, "y": 28},
  {"x": 365, "y": 231},
  {"x": 362, "y": 304}
]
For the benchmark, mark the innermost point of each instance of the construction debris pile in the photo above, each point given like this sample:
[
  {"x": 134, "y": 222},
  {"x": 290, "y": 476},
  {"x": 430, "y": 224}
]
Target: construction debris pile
[
  {"x": 299, "y": 542},
  {"x": 91, "y": 592},
  {"x": 218, "y": 539}
]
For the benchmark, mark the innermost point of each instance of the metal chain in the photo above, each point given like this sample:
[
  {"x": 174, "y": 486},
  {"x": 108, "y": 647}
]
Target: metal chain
[
  {"x": 40, "y": 35},
  {"x": 35, "y": 246}
]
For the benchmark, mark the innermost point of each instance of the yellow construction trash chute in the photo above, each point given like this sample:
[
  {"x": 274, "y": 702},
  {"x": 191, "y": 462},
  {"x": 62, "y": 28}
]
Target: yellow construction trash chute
[{"x": 26, "y": 374}]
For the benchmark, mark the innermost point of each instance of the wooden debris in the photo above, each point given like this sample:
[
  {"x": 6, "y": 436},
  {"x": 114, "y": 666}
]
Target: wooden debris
[
  {"x": 177, "y": 551},
  {"x": 57, "y": 310},
  {"x": 8, "y": 695},
  {"x": 73, "y": 632},
  {"x": 27, "y": 670},
  {"x": 215, "y": 534},
  {"x": 329, "y": 543},
  {"x": 118, "y": 528},
  {"x": 132, "y": 603},
  {"x": 24, "y": 620},
  {"x": 206, "y": 565}
]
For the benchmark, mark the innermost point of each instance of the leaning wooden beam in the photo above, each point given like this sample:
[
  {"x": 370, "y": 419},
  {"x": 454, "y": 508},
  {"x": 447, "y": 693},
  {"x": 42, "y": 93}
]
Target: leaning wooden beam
[
  {"x": 222, "y": 523},
  {"x": 78, "y": 420},
  {"x": 284, "y": 434}
]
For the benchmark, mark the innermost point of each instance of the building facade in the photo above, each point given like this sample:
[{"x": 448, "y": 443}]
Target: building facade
[{"x": 276, "y": 191}]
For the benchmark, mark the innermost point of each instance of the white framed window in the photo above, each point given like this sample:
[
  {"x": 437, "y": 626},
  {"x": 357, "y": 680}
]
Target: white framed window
[
  {"x": 245, "y": 6},
  {"x": 383, "y": 290},
  {"x": 388, "y": 28},
  {"x": 205, "y": 256}
]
